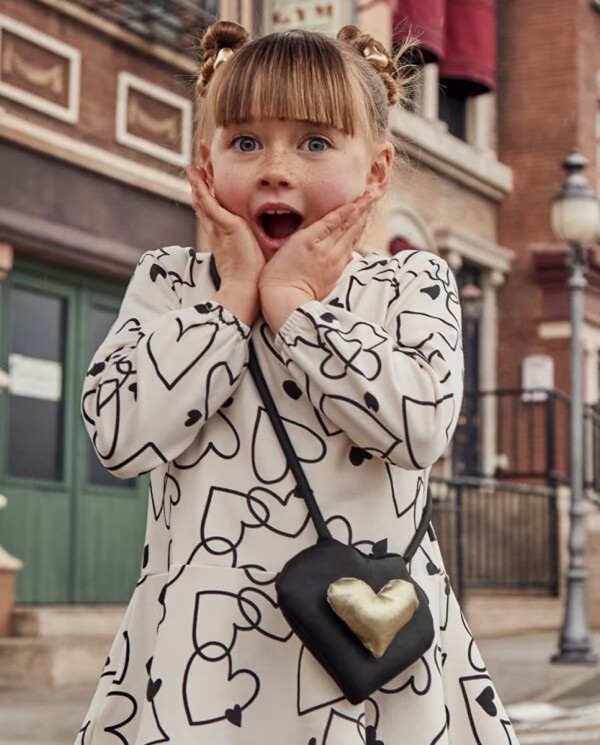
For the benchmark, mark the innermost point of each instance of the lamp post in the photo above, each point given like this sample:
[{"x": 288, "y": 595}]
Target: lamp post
[{"x": 576, "y": 221}]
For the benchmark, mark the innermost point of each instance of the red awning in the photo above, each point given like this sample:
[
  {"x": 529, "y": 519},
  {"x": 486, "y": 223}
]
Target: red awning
[
  {"x": 423, "y": 20},
  {"x": 459, "y": 34},
  {"x": 469, "y": 64}
]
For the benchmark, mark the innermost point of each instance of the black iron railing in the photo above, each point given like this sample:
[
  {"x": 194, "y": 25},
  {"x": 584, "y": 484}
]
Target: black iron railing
[
  {"x": 174, "y": 23},
  {"x": 496, "y": 535},
  {"x": 592, "y": 451},
  {"x": 531, "y": 437}
]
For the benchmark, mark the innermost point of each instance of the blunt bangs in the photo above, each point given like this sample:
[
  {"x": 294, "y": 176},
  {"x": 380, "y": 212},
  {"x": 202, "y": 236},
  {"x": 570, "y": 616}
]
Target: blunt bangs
[{"x": 293, "y": 75}]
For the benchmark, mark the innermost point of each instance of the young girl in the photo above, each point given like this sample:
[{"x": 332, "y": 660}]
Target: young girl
[{"x": 363, "y": 358}]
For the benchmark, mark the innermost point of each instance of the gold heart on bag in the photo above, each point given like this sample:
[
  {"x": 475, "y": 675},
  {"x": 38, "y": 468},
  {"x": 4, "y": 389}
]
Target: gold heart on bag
[{"x": 375, "y": 618}]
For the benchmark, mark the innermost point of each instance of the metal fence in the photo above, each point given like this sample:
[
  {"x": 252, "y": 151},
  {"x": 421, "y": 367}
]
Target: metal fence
[
  {"x": 497, "y": 536},
  {"x": 532, "y": 437},
  {"x": 592, "y": 451}
]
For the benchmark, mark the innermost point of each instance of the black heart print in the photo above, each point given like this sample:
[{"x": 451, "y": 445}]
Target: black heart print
[
  {"x": 486, "y": 701},
  {"x": 97, "y": 368},
  {"x": 358, "y": 456},
  {"x": 234, "y": 715},
  {"x": 432, "y": 291},
  {"x": 292, "y": 389},
  {"x": 371, "y": 402},
  {"x": 194, "y": 416},
  {"x": 153, "y": 688},
  {"x": 380, "y": 548},
  {"x": 156, "y": 270}
]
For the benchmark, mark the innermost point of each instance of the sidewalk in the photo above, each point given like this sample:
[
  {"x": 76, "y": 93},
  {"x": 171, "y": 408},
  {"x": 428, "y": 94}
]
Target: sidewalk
[
  {"x": 521, "y": 670},
  {"x": 549, "y": 703}
]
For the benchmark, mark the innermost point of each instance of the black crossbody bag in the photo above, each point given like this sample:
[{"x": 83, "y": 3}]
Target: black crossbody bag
[{"x": 363, "y": 617}]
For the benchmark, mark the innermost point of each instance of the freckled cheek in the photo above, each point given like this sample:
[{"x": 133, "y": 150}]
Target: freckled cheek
[
  {"x": 231, "y": 192},
  {"x": 331, "y": 192}
]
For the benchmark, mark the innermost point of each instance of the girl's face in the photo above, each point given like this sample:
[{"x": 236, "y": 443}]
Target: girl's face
[{"x": 282, "y": 175}]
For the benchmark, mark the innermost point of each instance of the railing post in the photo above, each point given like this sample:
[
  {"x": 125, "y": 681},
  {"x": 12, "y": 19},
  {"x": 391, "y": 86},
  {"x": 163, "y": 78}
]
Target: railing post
[
  {"x": 596, "y": 447},
  {"x": 551, "y": 439},
  {"x": 460, "y": 567},
  {"x": 552, "y": 483}
]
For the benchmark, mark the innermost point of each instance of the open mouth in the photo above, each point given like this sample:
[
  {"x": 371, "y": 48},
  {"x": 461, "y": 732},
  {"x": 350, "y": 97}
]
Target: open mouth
[{"x": 280, "y": 223}]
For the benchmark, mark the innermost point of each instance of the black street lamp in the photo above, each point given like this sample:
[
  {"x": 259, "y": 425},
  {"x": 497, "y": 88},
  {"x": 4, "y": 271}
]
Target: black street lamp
[{"x": 576, "y": 221}]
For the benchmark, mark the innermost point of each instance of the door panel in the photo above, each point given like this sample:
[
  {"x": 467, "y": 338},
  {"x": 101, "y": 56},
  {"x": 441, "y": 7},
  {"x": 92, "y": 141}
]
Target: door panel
[
  {"x": 36, "y": 524},
  {"x": 78, "y": 529},
  {"x": 111, "y": 511}
]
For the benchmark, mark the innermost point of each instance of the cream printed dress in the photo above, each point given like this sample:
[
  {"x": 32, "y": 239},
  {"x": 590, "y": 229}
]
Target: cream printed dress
[{"x": 369, "y": 384}]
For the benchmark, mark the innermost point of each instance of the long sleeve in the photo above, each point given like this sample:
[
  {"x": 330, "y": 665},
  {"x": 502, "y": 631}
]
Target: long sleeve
[
  {"x": 163, "y": 369},
  {"x": 394, "y": 387}
]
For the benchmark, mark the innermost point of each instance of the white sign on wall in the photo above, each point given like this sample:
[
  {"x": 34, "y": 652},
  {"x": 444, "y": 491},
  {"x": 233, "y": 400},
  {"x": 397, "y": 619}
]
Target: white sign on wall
[
  {"x": 327, "y": 17},
  {"x": 537, "y": 373},
  {"x": 35, "y": 378}
]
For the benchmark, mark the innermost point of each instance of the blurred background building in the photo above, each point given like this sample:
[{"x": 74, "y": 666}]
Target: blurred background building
[{"x": 96, "y": 126}]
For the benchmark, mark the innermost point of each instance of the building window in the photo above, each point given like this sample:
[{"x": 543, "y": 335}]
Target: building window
[
  {"x": 168, "y": 21},
  {"x": 36, "y": 363},
  {"x": 453, "y": 112}
]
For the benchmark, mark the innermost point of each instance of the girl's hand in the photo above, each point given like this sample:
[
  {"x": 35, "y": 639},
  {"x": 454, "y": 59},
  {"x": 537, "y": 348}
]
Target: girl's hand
[
  {"x": 237, "y": 253},
  {"x": 310, "y": 263}
]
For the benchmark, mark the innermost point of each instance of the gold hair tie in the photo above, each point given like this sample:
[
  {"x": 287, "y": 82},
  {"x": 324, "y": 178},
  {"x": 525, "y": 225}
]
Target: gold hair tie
[
  {"x": 380, "y": 59},
  {"x": 223, "y": 56}
]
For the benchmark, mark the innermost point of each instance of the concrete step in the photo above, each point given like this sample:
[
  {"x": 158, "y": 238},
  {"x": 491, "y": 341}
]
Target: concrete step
[
  {"x": 52, "y": 662},
  {"x": 66, "y": 620},
  {"x": 57, "y": 646},
  {"x": 44, "y": 716}
]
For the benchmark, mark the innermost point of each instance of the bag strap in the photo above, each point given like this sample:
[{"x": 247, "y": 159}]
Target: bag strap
[{"x": 303, "y": 487}]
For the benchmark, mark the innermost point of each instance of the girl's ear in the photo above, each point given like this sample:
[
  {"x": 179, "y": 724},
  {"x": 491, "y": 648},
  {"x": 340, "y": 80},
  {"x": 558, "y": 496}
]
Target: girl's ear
[
  {"x": 206, "y": 162},
  {"x": 381, "y": 168}
]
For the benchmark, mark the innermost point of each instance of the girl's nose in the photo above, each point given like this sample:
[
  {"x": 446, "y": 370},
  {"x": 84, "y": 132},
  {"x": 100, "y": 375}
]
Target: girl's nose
[{"x": 276, "y": 170}]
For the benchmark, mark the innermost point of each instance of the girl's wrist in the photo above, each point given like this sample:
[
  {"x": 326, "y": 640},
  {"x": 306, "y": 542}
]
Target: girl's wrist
[
  {"x": 277, "y": 305},
  {"x": 239, "y": 298}
]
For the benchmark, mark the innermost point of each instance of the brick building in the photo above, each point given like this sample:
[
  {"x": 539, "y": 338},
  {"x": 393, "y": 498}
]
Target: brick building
[
  {"x": 95, "y": 130},
  {"x": 490, "y": 217},
  {"x": 548, "y": 103},
  {"x": 95, "y": 127}
]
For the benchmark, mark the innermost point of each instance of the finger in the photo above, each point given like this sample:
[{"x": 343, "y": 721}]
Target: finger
[
  {"x": 208, "y": 204},
  {"x": 350, "y": 231},
  {"x": 193, "y": 181},
  {"x": 348, "y": 240},
  {"x": 332, "y": 226},
  {"x": 365, "y": 200},
  {"x": 197, "y": 179}
]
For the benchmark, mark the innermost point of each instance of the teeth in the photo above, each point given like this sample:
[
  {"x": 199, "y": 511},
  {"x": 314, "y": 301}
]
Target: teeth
[{"x": 278, "y": 212}]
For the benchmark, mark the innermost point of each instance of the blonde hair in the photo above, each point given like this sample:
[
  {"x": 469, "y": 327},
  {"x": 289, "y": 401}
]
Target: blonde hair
[{"x": 298, "y": 75}]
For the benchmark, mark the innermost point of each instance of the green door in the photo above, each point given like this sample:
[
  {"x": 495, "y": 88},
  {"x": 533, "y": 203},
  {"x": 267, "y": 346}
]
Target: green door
[{"x": 77, "y": 529}]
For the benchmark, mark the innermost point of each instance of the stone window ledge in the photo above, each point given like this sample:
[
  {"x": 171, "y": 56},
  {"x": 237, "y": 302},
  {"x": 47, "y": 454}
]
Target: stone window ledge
[{"x": 427, "y": 143}]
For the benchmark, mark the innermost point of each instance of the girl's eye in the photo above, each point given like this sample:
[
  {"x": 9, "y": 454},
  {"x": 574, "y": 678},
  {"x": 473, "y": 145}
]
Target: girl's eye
[
  {"x": 316, "y": 144},
  {"x": 245, "y": 144}
]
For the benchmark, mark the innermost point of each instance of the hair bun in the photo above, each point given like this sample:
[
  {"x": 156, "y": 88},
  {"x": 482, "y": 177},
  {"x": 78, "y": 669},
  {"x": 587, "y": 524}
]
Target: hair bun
[
  {"x": 388, "y": 73},
  {"x": 220, "y": 35}
]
